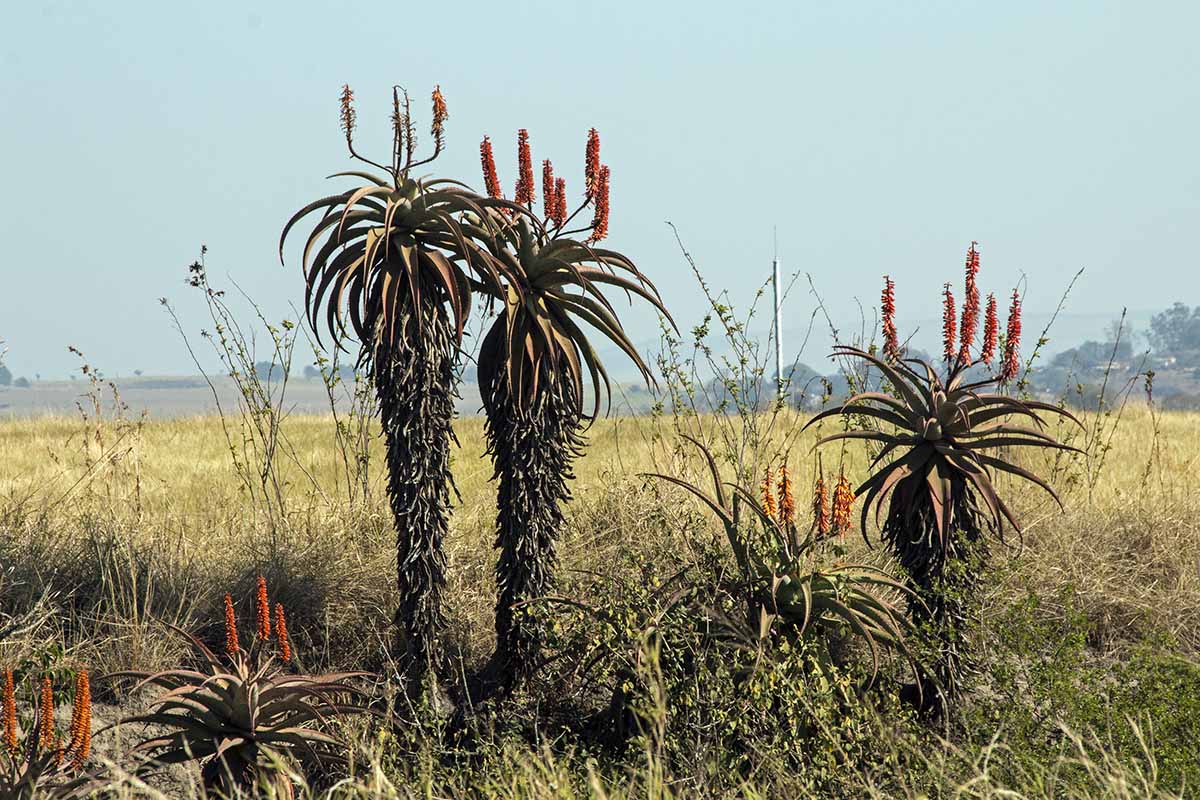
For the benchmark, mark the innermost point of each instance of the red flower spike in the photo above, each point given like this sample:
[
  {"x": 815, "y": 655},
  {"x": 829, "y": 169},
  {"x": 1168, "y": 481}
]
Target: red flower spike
[
  {"x": 559, "y": 214},
  {"x": 949, "y": 323},
  {"x": 281, "y": 633},
  {"x": 970, "y": 313},
  {"x": 231, "y": 632},
  {"x": 490, "y": 182},
  {"x": 591, "y": 163},
  {"x": 524, "y": 193},
  {"x": 600, "y": 219},
  {"x": 9, "y": 709},
  {"x": 887, "y": 305},
  {"x": 548, "y": 196},
  {"x": 47, "y": 736},
  {"x": 991, "y": 328},
  {"x": 262, "y": 608},
  {"x": 1012, "y": 341}
]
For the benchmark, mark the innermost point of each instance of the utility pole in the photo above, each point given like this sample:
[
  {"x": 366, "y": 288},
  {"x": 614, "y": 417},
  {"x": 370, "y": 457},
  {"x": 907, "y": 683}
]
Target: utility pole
[{"x": 778, "y": 317}]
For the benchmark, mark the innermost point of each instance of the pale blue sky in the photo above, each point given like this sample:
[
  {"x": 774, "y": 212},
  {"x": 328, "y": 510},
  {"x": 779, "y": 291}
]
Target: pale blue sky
[{"x": 879, "y": 137}]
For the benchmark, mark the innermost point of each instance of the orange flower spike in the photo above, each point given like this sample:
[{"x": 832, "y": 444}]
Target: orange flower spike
[
  {"x": 591, "y": 162},
  {"x": 1011, "y": 364},
  {"x": 46, "y": 735},
  {"x": 768, "y": 497},
  {"x": 438, "y": 128},
  {"x": 262, "y": 608},
  {"x": 820, "y": 507},
  {"x": 787, "y": 502},
  {"x": 281, "y": 634},
  {"x": 549, "y": 197},
  {"x": 81, "y": 721},
  {"x": 231, "y": 632},
  {"x": 843, "y": 505},
  {"x": 600, "y": 219},
  {"x": 970, "y": 313},
  {"x": 560, "y": 202},
  {"x": 991, "y": 327},
  {"x": 887, "y": 305},
  {"x": 9, "y": 708},
  {"x": 490, "y": 182},
  {"x": 949, "y": 324},
  {"x": 348, "y": 114},
  {"x": 525, "y": 192}
]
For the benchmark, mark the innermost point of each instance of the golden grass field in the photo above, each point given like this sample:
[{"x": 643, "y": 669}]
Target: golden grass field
[{"x": 127, "y": 523}]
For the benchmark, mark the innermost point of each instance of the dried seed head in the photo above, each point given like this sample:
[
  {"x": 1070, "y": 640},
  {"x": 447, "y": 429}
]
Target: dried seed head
[
  {"x": 843, "y": 505},
  {"x": 348, "y": 114},
  {"x": 970, "y": 313},
  {"x": 438, "y": 127},
  {"x": 47, "y": 737},
  {"x": 820, "y": 507},
  {"x": 991, "y": 329},
  {"x": 600, "y": 219},
  {"x": 949, "y": 324},
  {"x": 524, "y": 191},
  {"x": 787, "y": 501},
  {"x": 490, "y": 182},
  {"x": 262, "y": 609},
  {"x": 281, "y": 635},
  {"x": 9, "y": 708},
  {"x": 591, "y": 162},
  {"x": 1011, "y": 364},
  {"x": 768, "y": 496},
  {"x": 231, "y": 632},
  {"x": 887, "y": 305}
]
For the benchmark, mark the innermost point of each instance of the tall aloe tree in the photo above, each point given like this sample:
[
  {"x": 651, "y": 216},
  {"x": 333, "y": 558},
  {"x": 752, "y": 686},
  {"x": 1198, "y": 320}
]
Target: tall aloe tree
[
  {"x": 943, "y": 438},
  {"x": 392, "y": 256},
  {"x": 533, "y": 364}
]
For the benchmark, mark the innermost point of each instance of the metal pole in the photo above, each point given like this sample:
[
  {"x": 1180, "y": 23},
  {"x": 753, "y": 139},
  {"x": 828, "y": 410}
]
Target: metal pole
[{"x": 778, "y": 324}]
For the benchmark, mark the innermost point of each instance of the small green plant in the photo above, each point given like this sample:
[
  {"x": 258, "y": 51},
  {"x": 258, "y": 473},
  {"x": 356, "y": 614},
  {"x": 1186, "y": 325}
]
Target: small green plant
[
  {"x": 246, "y": 718},
  {"x": 36, "y": 762},
  {"x": 784, "y": 584}
]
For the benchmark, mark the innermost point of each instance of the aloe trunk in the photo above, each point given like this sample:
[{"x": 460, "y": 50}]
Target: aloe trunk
[
  {"x": 944, "y": 580},
  {"x": 533, "y": 446},
  {"x": 414, "y": 381}
]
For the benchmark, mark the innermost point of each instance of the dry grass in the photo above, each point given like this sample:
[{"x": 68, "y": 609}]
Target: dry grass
[{"x": 123, "y": 525}]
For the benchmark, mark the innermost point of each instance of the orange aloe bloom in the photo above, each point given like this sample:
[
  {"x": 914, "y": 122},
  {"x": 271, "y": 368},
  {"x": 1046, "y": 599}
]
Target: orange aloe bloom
[
  {"x": 1011, "y": 363},
  {"x": 81, "y": 721},
  {"x": 787, "y": 502},
  {"x": 549, "y": 198},
  {"x": 490, "y": 182},
  {"x": 262, "y": 608},
  {"x": 10, "y": 712},
  {"x": 887, "y": 306},
  {"x": 348, "y": 115},
  {"x": 600, "y": 219},
  {"x": 438, "y": 129},
  {"x": 949, "y": 323},
  {"x": 991, "y": 328},
  {"x": 559, "y": 215},
  {"x": 281, "y": 633},
  {"x": 970, "y": 313},
  {"x": 820, "y": 507},
  {"x": 47, "y": 737},
  {"x": 524, "y": 193},
  {"x": 843, "y": 505},
  {"x": 768, "y": 497},
  {"x": 231, "y": 632},
  {"x": 591, "y": 163}
]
